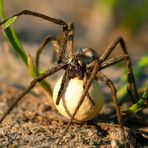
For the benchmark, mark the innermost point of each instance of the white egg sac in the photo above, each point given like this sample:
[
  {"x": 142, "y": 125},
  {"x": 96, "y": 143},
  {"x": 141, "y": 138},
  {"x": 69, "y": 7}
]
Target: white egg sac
[{"x": 72, "y": 93}]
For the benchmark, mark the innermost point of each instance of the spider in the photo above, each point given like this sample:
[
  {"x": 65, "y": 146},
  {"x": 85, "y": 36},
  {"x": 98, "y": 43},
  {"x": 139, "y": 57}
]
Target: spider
[{"x": 85, "y": 65}]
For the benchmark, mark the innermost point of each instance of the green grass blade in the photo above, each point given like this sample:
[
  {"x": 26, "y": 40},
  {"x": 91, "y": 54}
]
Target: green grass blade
[
  {"x": 35, "y": 73},
  {"x": 12, "y": 37},
  {"x": 2, "y": 9},
  {"x": 15, "y": 43},
  {"x": 141, "y": 104},
  {"x": 10, "y": 22}
]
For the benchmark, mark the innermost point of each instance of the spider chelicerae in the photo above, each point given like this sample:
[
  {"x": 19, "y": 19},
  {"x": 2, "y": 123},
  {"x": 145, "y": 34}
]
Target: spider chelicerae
[{"x": 85, "y": 65}]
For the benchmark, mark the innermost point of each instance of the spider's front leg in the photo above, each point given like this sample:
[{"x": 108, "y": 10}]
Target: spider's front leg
[
  {"x": 36, "y": 14},
  {"x": 131, "y": 80}
]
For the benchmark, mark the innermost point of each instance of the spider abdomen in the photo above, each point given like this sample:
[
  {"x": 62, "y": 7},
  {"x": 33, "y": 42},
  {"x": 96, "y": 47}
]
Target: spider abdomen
[{"x": 72, "y": 93}]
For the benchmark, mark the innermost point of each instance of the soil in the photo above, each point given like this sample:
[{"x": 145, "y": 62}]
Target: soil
[{"x": 35, "y": 123}]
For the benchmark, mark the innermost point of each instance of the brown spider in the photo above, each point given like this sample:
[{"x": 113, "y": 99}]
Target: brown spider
[{"x": 85, "y": 62}]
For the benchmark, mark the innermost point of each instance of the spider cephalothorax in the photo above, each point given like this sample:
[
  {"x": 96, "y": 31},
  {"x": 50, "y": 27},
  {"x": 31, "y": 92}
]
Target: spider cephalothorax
[
  {"x": 84, "y": 65},
  {"x": 79, "y": 64},
  {"x": 86, "y": 58}
]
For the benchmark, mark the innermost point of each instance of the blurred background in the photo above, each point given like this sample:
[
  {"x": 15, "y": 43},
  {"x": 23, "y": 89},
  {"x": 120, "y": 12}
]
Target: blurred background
[{"x": 97, "y": 23}]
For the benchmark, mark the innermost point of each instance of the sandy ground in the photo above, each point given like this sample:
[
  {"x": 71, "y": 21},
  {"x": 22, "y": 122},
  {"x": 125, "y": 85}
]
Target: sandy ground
[{"x": 34, "y": 123}]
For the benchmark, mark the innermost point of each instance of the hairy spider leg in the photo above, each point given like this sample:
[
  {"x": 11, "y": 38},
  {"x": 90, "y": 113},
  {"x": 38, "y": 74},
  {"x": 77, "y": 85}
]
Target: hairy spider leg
[
  {"x": 86, "y": 78},
  {"x": 62, "y": 44},
  {"x": 42, "y": 46},
  {"x": 65, "y": 42},
  {"x": 70, "y": 40},
  {"x": 36, "y": 14},
  {"x": 113, "y": 61},
  {"x": 89, "y": 82},
  {"x": 61, "y": 40},
  {"x": 131, "y": 80},
  {"x": 31, "y": 86},
  {"x": 109, "y": 83}
]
